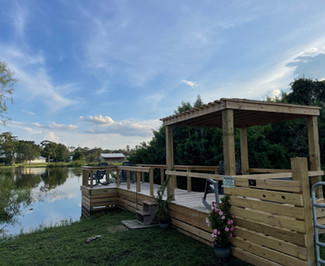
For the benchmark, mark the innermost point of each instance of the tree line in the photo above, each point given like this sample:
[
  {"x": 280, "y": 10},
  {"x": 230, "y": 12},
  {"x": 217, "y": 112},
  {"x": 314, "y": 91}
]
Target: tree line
[
  {"x": 270, "y": 146},
  {"x": 14, "y": 151}
]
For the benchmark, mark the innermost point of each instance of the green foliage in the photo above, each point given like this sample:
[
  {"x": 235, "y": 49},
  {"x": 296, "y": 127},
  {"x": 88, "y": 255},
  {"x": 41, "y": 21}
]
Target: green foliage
[
  {"x": 7, "y": 82},
  {"x": 270, "y": 146},
  {"x": 163, "y": 204}
]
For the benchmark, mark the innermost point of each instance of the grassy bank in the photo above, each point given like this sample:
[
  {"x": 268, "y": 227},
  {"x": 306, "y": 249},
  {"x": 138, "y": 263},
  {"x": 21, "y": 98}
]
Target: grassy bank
[{"x": 117, "y": 245}]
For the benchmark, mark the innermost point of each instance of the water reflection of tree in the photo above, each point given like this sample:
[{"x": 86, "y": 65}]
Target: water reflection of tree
[
  {"x": 11, "y": 198},
  {"x": 54, "y": 177}
]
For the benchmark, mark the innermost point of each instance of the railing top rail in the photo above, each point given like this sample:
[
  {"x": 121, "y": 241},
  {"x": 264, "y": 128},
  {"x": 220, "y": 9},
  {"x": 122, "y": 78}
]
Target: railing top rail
[
  {"x": 99, "y": 167},
  {"x": 257, "y": 176},
  {"x": 134, "y": 168},
  {"x": 185, "y": 167}
]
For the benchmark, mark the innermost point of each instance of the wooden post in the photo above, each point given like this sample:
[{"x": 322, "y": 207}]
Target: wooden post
[
  {"x": 189, "y": 180},
  {"x": 138, "y": 182},
  {"x": 117, "y": 178},
  {"x": 299, "y": 168},
  {"x": 151, "y": 182},
  {"x": 162, "y": 175},
  {"x": 170, "y": 161},
  {"x": 228, "y": 142},
  {"x": 91, "y": 179},
  {"x": 128, "y": 179},
  {"x": 142, "y": 177},
  {"x": 314, "y": 152},
  {"x": 244, "y": 151}
]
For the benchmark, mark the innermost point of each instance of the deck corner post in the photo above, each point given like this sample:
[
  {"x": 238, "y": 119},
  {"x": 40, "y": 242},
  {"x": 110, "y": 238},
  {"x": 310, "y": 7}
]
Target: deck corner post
[
  {"x": 151, "y": 182},
  {"x": 299, "y": 168},
  {"x": 128, "y": 179},
  {"x": 84, "y": 177},
  {"x": 314, "y": 151},
  {"x": 138, "y": 176}
]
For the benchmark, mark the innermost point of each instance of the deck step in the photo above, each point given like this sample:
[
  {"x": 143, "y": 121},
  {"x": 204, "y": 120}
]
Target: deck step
[
  {"x": 150, "y": 202},
  {"x": 143, "y": 213},
  {"x": 147, "y": 215}
]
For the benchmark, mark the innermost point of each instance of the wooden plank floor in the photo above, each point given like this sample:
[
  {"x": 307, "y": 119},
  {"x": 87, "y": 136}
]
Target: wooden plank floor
[{"x": 191, "y": 200}]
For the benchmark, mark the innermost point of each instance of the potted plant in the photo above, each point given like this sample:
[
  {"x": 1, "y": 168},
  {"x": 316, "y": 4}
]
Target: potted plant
[
  {"x": 163, "y": 212},
  {"x": 221, "y": 222}
]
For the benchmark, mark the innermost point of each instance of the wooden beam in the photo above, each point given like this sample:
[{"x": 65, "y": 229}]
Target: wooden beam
[
  {"x": 170, "y": 161},
  {"x": 300, "y": 172},
  {"x": 228, "y": 142},
  {"x": 244, "y": 151}
]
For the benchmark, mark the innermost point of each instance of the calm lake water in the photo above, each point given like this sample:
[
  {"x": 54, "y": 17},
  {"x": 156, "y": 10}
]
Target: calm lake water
[{"x": 34, "y": 197}]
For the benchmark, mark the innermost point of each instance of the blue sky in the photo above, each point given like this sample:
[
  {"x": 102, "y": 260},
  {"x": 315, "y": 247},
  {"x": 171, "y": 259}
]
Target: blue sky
[{"x": 102, "y": 73}]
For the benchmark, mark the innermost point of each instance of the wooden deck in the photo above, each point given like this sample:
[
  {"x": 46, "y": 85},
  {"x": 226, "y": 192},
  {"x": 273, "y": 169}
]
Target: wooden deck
[
  {"x": 183, "y": 198},
  {"x": 188, "y": 214}
]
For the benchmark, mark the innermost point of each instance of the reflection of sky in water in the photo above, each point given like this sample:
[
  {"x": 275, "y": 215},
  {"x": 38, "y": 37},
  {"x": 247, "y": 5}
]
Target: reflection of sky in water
[{"x": 49, "y": 207}]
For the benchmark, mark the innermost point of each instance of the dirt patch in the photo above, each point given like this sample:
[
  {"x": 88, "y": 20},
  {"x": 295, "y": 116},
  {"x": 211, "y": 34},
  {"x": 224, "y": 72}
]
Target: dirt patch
[{"x": 117, "y": 228}]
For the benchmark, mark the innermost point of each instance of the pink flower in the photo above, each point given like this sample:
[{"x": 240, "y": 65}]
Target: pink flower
[
  {"x": 229, "y": 222},
  {"x": 218, "y": 232},
  {"x": 223, "y": 217},
  {"x": 226, "y": 229},
  {"x": 230, "y": 235},
  {"x": 233, "y": 216},
  {"x": 213, "y": 235},
  {"x": 220, "y": 213},
  {"x": 215, "y": 231},
  {"x": 232, "y": 228}
]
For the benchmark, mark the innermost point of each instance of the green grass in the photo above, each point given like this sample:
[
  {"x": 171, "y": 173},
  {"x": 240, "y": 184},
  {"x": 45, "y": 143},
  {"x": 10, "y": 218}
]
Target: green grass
[{"x": 65, "y": 245}]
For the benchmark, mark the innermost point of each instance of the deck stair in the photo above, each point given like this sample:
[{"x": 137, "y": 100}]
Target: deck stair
[{"x": 146, "y": 216}]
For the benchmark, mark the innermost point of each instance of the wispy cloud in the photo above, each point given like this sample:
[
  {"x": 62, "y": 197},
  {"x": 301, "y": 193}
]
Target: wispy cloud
[
  {"x": 105, "y": 124},
  {"x": 19, "y": 17},
  {"x": 34, "y": 80},
  {"x": 27, "y": 112},
  {"x": 190, "y": 83},
  {"x": 54, "y": 125}
]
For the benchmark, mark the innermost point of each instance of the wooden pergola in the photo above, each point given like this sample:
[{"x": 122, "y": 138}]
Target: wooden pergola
[{"x": 229, "y": 114}]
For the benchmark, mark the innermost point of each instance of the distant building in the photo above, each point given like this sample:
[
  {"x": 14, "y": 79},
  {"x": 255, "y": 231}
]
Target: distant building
[
  {"x": 112, "y": 157},
  {"x": 39, "y": 159}
]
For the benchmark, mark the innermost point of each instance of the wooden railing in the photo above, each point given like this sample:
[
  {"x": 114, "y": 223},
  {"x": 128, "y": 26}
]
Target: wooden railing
[{"x": 139, "y": 170}]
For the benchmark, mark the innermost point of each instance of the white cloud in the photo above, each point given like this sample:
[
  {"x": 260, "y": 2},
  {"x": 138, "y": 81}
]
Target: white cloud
[
  {"x": 190, "y": 83},
  {"x": 51, "y": 137},
  {"x": 102, "y": 120}
]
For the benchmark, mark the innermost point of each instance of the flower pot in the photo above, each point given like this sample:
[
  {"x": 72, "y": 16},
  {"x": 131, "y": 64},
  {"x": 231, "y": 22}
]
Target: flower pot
[
  {"x": 222, "y": 252},
  {"x": 165, "y": 224}
]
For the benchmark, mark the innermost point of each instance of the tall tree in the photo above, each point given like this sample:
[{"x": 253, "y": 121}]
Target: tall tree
[
  {"x": 7, "y": 82},
  {"x": 27, "y": 151},
  {"x": 49, "y": 149},
  {"x": 62, "y": 153},
  {"x": 8, "y": 146}
]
